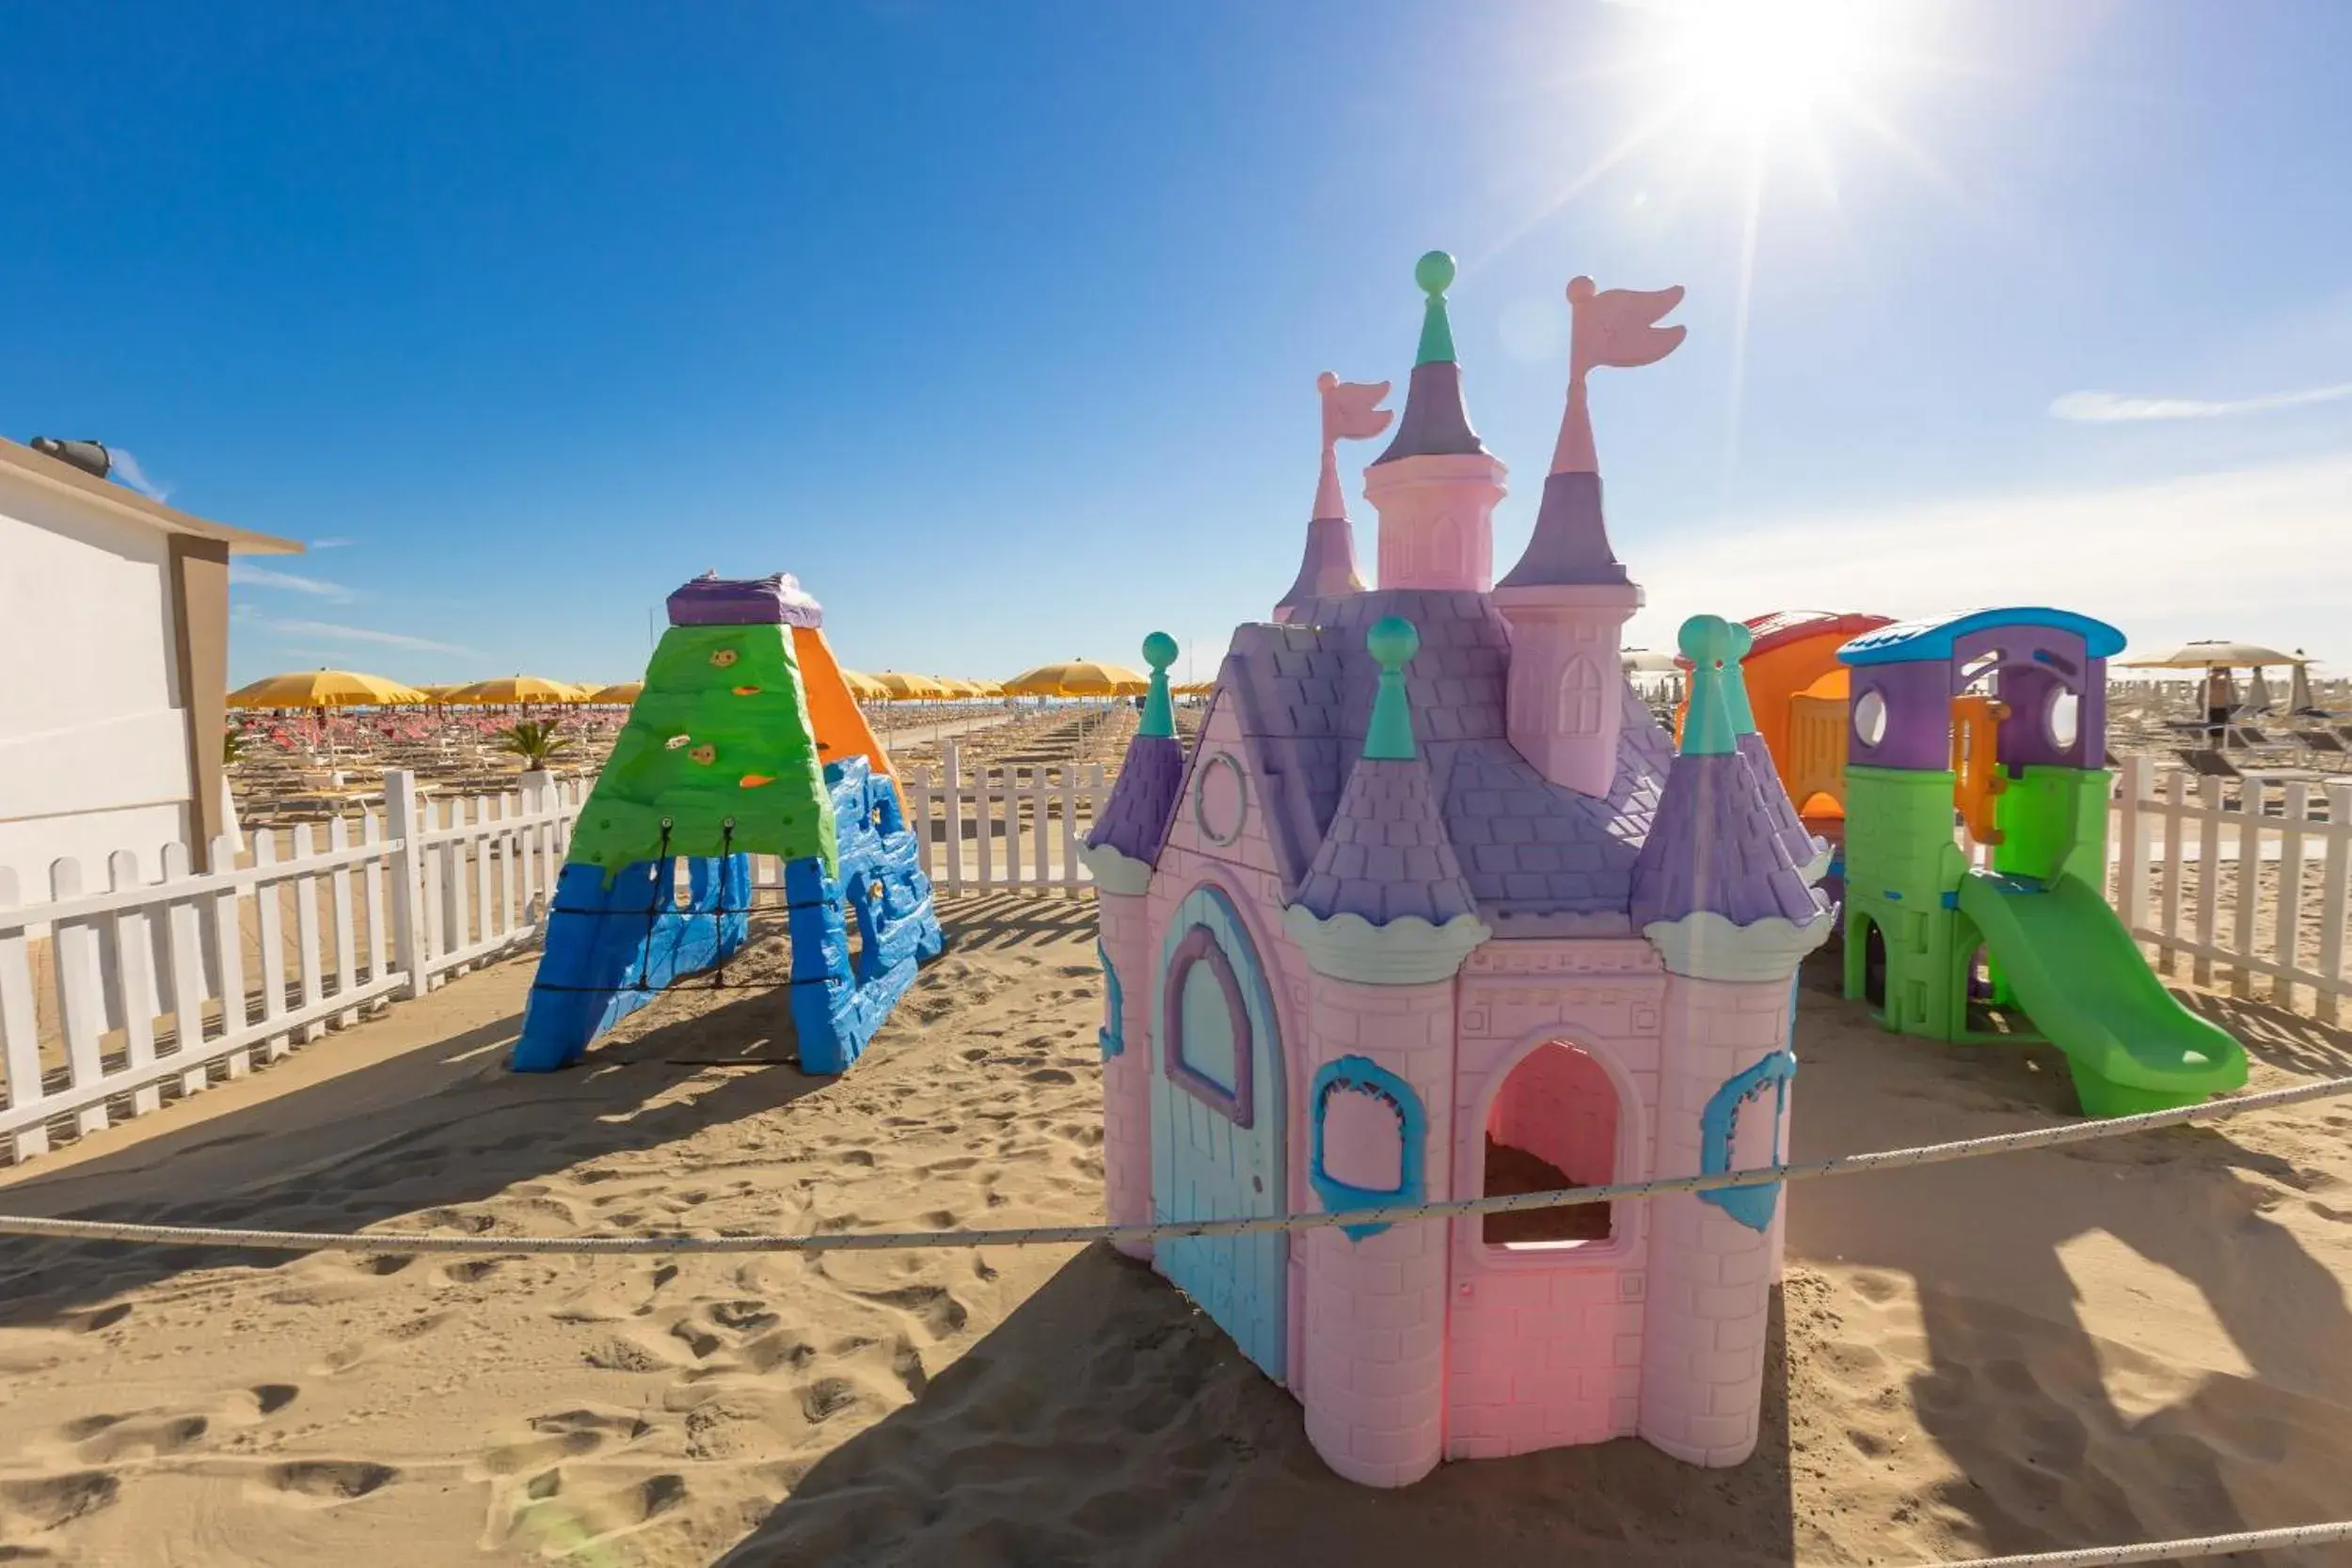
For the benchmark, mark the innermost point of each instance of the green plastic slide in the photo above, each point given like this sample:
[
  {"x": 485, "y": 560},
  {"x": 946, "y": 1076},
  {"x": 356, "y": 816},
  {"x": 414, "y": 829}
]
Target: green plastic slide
[{"x": 2081, "y": 976}]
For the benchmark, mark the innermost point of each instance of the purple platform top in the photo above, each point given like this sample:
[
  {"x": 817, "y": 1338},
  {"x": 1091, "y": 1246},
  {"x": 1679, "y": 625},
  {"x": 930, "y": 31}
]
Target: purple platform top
[
  {"x": 1713, "y": 845},
  {"x": 1386, "y": 854},
  {"x": 1134, "y": 821},
  {"x": 1435, "y": 424},
  {"x": 1570, "y": 544},
  {"x": 711, "y": 600},
  {"x": 1528, "y": 848}
]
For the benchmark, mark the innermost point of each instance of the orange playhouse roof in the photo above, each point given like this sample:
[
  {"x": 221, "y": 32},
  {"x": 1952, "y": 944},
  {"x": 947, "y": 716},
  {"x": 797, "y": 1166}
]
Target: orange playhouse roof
[{"x": 1777, "y": 627}]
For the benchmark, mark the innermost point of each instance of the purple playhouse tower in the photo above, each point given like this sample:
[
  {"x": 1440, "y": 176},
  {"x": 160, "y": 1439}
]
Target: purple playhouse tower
[{"x": 1430, "y": 909}]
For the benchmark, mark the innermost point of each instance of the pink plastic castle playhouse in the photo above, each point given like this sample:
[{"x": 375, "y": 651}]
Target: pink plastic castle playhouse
[{"x": 1431, "y": 909}]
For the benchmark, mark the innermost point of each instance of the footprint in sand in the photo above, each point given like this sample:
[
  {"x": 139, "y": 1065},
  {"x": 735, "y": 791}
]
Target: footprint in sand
[
  {"x": 565, "y": 1434},
  {"x": 150, "y": 1436},
  {"x": 326, "y": 1482},
  {"x": 47, "y": 1502}
]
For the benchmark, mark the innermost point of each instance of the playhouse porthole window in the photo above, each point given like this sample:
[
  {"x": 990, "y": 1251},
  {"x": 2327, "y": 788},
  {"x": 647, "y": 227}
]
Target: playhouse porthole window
[
  {"x": 1869, "y": 717},
  {"x": 2064, "y": 718},
  {"x": 1553, "y": 1124},
  {"x": 1220, "y": 799}
]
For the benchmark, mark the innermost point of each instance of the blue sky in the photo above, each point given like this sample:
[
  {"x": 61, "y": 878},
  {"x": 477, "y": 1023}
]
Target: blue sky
[{"x": 999, "y": 324}]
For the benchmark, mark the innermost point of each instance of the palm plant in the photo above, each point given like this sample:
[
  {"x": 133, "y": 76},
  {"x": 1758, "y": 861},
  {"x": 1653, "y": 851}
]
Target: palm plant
[{"x": 536, "y": 741}]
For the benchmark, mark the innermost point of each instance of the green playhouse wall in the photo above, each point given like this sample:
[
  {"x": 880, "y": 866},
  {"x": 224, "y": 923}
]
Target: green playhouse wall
[
  {"x": 718, "y": 745},
  {"x": 1900, "y": 865}
]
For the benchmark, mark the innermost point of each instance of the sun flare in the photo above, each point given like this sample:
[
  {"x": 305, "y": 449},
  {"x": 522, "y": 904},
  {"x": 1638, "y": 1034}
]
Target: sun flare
[{"x": 1750, "y": 69}]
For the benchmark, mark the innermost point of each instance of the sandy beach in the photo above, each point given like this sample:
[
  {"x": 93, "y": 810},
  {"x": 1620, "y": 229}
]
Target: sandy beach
[{"x": 2134, "y": 1341}]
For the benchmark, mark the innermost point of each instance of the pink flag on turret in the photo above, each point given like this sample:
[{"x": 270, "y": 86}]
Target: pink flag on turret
[
  {"x": 1351, "y": 412},
  {"x": 1618, "y": 328}
]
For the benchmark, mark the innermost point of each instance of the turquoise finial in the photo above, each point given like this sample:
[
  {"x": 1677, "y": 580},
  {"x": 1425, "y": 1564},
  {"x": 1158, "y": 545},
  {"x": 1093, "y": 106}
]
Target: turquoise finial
[
  {"x": 1736, "y": 682},
  {"x": 1435, "y": 273},
  {"x": 1159, "y": 714},
  {"x": 1708, "y": 643},
  {"x": 1394, "y": 642}
]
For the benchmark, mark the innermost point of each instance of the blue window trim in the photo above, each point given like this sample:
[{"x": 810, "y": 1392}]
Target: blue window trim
[
  {"x": 1112, "y": 1036},
  {"x": 1362, "y": 1075},
  {"x": 1751, "y": 1205}
]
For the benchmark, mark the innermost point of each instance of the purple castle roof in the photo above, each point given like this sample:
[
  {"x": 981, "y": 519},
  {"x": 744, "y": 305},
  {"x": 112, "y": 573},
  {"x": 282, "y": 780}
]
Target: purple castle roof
[
  {"x": 1529, "y": 849},
  {"x": 1713, "y": 845},
  {"x": 1570, "y": 544},
  {"x": 1328, "y": 568},
  {"x": 1785, "y": 823},
  {"x": 1435, "y": 424},
  {"x": 1134, "y": 821},
  {"x": 711, "y": 600},
  {"x": 1386, "y": 854}
]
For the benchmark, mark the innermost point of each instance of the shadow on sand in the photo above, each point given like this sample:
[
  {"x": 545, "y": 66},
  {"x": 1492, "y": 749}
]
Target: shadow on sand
[
  {"x": 2066, "y": 1438},
  {"x": 1105, "y": 1421},
  {"x": 439, "y": 1125}
]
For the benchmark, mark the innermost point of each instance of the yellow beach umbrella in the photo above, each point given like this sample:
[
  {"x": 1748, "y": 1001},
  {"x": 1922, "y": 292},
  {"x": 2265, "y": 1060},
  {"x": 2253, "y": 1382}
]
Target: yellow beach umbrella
[
  {"x": 620, "y": 693},
  {"x": 865, "y": 687},
  {"x": 324, "y": 688},
  {"x": 1194, "y": 689},
  {"x": 443, "y": 691},
  {"x": 900, "y": 686},
  {"x": 514, "y": 691},
  {"x": 1078, "y": 677}
]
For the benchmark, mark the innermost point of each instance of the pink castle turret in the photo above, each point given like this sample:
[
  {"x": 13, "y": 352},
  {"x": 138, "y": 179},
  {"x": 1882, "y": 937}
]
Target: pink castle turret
[
  {"x": 1351, "y": 411},
  {"x": 1568, "y": 598},
  {"x": 1435, "y": 486}
]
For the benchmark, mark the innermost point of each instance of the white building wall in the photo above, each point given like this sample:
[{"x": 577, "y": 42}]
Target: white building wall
[{"x": 93, "y": 745}]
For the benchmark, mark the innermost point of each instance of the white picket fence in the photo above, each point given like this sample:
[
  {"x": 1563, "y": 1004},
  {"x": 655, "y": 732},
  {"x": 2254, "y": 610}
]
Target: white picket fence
[
  {"x": 118, "y": 1000},
  {"x": 119, "y": 991},
  {"x": 2255, "y": 885},
  {"x": 990, "y": 828}
]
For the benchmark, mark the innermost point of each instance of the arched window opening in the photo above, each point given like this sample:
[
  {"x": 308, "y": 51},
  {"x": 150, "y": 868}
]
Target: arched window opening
[
  {"x": 1553, "y": 1124},
  {"x": 1580, "y": 697}
]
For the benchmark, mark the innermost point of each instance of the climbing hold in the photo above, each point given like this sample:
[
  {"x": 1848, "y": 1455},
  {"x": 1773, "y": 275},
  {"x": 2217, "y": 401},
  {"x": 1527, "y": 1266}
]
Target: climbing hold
[
  {"x": 676, "y": 741},
  {"x": 752, "y": 781},
  {"x": 747, "y": 692},
  {"x": 725, "y": 656},
  {"x": 704, "y": 753}
]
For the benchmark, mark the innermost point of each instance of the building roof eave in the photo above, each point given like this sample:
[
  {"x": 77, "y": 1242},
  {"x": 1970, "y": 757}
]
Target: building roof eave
[{"x": 130, "y": 506}]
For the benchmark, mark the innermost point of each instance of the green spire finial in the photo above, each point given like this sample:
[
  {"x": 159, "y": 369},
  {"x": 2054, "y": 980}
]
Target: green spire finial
[
  {"x": 1393, "y": 642},
  {"x": 1708, "y": 643},
  {"x": 1159, "y": 714},
  {"x": 1435, "y": 273},
  {"x": 1736, "y": 681}
]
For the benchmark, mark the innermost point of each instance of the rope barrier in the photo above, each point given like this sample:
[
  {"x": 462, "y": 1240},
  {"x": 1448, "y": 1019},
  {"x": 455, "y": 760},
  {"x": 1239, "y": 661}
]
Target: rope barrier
[
  {"x": 881, "y": 1240},
  {"x": 2165, "y": 1551}
]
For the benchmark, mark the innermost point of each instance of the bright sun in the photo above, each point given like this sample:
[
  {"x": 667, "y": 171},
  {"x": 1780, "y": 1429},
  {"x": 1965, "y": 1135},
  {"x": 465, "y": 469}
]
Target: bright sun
[{"x": 1749, "y": 68}]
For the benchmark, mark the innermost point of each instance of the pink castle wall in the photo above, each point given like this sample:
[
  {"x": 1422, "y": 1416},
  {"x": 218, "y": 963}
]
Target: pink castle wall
[
  {"x": 1126, "y": 935},
  {"x": 1545, "y": 1345},
  {"x": 1376, "y": 1345},
  {"x": 1711, "y": 1276}
]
